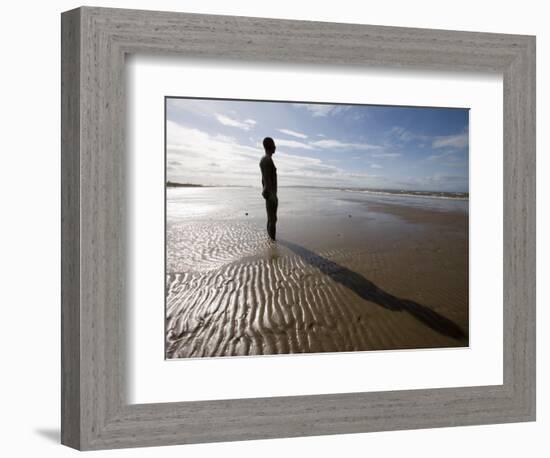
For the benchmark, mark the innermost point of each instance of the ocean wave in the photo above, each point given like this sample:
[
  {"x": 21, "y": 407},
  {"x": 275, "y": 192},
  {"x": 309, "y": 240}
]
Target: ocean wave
[{"x": 422, "y": 194}]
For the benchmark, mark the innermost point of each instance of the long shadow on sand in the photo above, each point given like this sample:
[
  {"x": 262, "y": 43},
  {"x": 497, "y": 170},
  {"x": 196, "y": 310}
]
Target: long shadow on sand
[{"x": 372, "y": 293}]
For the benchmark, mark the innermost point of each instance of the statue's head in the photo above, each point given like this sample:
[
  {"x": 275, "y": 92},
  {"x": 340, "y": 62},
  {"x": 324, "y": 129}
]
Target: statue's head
[{"x": 269, "y": 145}]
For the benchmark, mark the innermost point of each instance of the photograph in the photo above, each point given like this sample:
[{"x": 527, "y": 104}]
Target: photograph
[{"x": 300, "y": 227}]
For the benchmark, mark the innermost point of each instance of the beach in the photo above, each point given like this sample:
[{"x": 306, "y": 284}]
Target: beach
[{"x": 351, "y": 270}]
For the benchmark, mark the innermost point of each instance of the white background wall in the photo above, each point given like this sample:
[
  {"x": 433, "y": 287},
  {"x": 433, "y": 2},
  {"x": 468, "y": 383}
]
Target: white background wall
[{"x": 30, "y": 228}]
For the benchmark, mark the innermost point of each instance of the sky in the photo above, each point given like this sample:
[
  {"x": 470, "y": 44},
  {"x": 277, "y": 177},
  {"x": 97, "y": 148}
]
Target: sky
[{"x": 219, "y": 142}]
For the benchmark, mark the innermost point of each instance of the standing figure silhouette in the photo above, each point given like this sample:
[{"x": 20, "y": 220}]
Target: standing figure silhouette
[{"x": 269, "y": 186}]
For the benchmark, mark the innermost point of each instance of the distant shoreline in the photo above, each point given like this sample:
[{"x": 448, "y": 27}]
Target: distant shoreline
[
  {"x": 171, "y": 184},
  {"x": 455, "y": 195}
]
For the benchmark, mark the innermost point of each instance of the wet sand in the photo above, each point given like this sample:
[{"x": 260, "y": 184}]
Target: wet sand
[{"x": 355, "y": 274}]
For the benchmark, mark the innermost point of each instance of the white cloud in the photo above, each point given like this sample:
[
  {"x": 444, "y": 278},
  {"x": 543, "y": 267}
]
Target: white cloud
[
  {"x": 321, "y": 110},
  {"x": 451, "y": 141},
  {"x": 337, "y": 144},
  {"x": 457, "y": 141},
  {"x": 292, "y": 133},
  {"x": 305, "y": 166},
  {"x": 227, "y": 121},
  {"x": 292, "y": 144},
  {"x": 445, "y": 154},
  {"x": 403, "y": 134},
  {"x": 386, "y": 155},
  {"x": 184, "y": 141},
  {"x": 376, "y": 166}
]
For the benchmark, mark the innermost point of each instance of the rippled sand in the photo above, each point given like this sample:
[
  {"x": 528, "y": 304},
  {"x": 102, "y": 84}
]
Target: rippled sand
[{"x": 367, "y": 277}]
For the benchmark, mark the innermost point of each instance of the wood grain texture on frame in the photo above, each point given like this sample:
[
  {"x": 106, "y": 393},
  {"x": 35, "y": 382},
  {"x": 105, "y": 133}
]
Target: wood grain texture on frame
[{"x": 95, "y": 412}]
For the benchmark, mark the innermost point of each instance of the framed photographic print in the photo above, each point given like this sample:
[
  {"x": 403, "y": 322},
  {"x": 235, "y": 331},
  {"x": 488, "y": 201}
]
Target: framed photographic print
[{"x": 282, "y": 228}]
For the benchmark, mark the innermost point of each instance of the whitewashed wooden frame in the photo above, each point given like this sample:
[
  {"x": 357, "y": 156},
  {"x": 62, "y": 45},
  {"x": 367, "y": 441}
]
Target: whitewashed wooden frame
[{"x": 95, "y": 410}]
